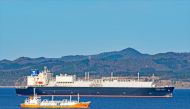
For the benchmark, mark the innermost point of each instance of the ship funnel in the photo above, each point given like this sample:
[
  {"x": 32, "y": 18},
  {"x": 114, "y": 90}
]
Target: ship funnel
[{"x": 34, "y": 72}]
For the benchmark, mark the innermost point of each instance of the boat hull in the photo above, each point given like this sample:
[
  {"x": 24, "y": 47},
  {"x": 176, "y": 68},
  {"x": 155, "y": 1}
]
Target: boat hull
[
  {"x": 78, "y": 105},
  {"x": 99, "y": 91}
]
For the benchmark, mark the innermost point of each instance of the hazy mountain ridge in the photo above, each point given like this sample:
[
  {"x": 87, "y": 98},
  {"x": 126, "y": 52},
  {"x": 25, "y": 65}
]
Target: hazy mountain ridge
[{"x": 129, "y": 61}]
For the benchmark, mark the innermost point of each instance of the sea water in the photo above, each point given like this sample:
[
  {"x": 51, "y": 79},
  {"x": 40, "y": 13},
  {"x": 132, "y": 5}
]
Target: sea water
[{"x": 180, "y": 100}]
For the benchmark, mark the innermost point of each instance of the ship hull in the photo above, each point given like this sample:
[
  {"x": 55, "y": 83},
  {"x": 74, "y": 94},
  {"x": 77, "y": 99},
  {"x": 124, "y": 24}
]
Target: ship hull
[
  {"x": 78, "y": 106},
  {"x": 99, "y": 91}
]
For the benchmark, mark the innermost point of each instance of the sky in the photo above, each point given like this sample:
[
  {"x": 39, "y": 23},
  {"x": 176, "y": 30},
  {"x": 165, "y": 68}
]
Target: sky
[{"x": 55, "y": 28}]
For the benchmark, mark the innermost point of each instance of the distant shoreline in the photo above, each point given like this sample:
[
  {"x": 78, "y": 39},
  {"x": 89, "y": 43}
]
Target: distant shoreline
[{"x": 8, "y": 86}]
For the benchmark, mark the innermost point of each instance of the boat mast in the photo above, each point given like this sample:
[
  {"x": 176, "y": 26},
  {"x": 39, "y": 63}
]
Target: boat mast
[
  {"x": 78, "y": 98},
  {"x": 34, "y": 91},
  {"x": 52, "y": 97},
  {"x": 70, "y": 97}
]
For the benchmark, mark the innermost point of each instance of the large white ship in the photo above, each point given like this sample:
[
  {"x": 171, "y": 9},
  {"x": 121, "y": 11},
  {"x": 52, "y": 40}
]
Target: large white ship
[{"x": 63, "y": 84}]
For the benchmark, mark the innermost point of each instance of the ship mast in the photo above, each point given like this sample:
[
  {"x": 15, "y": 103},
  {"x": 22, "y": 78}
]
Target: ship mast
[
  {"x": 34, "y": 91},
  {"x": 153, "y": 77},
  {"x": 87, "y": 76},
  {"x": 78, "y": 98},
  {"x": 52, "y": 97},
  {"x": 70, "y": 97},
  {"x": 138, "y": 76},
  {"x": 111, "y": 75}
]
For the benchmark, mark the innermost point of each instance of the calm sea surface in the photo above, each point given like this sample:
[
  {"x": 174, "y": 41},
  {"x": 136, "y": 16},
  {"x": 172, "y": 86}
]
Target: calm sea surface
[{"x": 181, "y": 100}]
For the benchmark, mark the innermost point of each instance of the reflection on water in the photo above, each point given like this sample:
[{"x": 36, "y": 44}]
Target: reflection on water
[{"x": 181, "y": 100}]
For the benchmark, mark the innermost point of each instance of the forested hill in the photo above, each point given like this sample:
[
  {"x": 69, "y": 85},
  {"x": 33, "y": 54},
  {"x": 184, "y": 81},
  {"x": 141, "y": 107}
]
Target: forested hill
[{"x": 170, "y": 65}]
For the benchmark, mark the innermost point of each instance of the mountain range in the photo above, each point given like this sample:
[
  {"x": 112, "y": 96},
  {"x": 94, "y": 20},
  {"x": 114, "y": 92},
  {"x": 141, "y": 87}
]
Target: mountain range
[{"x": 127, "y": 62}]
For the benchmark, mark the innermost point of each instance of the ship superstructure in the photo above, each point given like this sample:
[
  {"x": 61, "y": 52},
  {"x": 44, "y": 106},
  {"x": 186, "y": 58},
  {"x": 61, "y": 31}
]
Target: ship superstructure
[
  {"x": 41, "y": 79},
  {"x": 64, "y": 84}
]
